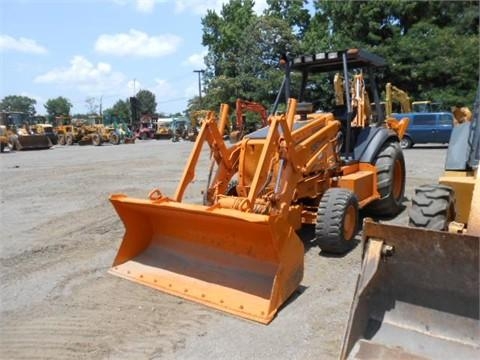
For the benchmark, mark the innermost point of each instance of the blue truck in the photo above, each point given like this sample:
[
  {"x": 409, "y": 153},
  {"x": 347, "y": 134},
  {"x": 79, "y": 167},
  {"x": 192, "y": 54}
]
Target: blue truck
[{"x": 423, "y": 128}]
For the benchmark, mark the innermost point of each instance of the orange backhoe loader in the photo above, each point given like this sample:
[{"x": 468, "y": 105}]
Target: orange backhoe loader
[
  {"x": 242, "y": 106},
  {"x": 240, "y": 252}
]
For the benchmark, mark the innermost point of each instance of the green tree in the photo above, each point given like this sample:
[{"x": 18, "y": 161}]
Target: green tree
[
  {"x": 18, "y": 103},
  {"x": 431, "y": 47},
  {"x": 223, "y": 36},
  {"x": 120, "y": 111},
  {"x": 58, "y": 106},
  {"x": 244, "y": 52},
  {"x": 146, "y": 102},
  {"x": 293, "y": 12}
]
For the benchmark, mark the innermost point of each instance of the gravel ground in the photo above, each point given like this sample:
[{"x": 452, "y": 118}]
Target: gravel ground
[{"x": 60, "y": 235}]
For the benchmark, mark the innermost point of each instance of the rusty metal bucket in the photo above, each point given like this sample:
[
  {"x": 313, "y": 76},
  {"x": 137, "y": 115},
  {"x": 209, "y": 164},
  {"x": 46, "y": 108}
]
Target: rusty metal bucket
[
  {"x": 242, "y": 263},
  {"x": 36, "y": 141},
  {"x": 417, "y": 296}
]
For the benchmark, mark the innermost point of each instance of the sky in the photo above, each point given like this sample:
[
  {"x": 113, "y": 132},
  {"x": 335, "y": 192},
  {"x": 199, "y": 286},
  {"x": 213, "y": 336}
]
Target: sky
[{"x": 103, "y": 49}]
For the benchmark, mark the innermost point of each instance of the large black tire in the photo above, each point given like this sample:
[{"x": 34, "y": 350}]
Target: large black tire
[
  {"x": 433, "y": 207},
  {"x": 390, "y": 166},
  {"x": 96, "y": 139},
  {"x": 69, "y": 139},
  {"x": 2, "y": 146},
  {"x": 337, "y": 221},
  {"x": 114, "y": 139},
  {"x": 61, "y": 139}
]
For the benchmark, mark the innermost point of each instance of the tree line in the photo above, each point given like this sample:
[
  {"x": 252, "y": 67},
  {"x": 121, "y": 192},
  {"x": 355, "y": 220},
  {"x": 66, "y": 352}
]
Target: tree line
[
  {"x": 431, "y": 47},
  {"x": 144, "y": 102}
]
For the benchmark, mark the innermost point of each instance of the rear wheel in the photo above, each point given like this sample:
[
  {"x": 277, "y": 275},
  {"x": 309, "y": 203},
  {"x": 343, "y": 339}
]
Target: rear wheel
[
  {"x": 96, "y": 140},
  {"x": 114, "y": 139},
  {"x": 390, "y": 166},
  {"x": 144, "y": 136},
  {"x": 337, "y": 221},
  {"x": 433, "y": 207},
  {"x": 69, "y": 139}
]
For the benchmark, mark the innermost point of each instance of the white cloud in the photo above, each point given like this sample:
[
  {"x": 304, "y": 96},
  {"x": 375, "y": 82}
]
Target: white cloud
[
  {"x": 200, "y": 7},
  {"x": 137, "y": 43},
  {"x": 163, "y": 90},
  {"x": 196, "y": 60},
  {"x": 21, "y": 44},
  {"x": 145, "y": 6},
  {"x": 85, "y": 76}
]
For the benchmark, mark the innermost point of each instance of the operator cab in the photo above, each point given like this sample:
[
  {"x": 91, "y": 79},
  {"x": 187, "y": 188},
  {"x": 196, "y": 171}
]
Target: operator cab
[{"x": 341, "y": 83}]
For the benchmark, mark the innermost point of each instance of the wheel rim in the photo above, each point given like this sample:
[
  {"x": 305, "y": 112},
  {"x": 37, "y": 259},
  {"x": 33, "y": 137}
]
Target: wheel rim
[
  {"x": 397, "y": 185},
  {"x": 404, "y": 143},
  {"x": 349, "y": 222}
]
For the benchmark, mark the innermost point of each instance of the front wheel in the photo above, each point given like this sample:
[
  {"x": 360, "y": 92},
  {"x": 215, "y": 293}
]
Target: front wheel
[
  {"x": 337, "y": 221},
  {"x": 390, "y": 166},
  {"x": 61, "y": 139}
]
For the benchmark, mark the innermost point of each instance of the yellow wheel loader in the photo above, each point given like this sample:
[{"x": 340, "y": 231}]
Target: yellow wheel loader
[
  {"x": 418, "y": 293},
  {"x": 19, "y": 134},
  {"x": 239, "y": 251}
]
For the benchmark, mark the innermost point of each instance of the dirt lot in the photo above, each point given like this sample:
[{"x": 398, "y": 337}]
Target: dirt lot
[{"x": 60, "y": 235}]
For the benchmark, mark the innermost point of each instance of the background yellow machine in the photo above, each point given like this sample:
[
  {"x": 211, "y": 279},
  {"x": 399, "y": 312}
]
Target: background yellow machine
[{"x": 418, "y": 294}]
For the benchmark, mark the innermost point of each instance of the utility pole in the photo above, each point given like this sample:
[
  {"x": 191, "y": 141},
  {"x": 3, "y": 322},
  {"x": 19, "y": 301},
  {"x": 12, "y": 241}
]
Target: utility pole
[{"x": 199, "y": 72}]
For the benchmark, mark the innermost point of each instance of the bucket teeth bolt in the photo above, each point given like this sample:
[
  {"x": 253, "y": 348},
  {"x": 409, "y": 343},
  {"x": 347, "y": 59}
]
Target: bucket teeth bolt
[{"x": 387, "y": 250}]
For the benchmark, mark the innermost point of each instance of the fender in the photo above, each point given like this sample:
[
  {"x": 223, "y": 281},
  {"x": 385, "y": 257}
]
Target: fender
[{"x": 370, "y": 141}]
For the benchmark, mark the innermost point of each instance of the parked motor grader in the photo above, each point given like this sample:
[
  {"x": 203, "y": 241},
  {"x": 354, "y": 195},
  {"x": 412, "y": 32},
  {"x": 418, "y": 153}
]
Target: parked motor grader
[
  {"x": 69, "y": 131},
  {"x": 240, "y": 252},
  {"x": 19, "y": 135},
  {"x": 418, "y": 293}
]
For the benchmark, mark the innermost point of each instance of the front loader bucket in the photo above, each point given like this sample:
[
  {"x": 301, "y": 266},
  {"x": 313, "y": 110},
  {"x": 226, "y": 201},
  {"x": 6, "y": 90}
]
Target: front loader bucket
[
  {"x": 242, "y": 263},
  {"x": 417, "y": 296},
  {"x": 37, "y": 141}
]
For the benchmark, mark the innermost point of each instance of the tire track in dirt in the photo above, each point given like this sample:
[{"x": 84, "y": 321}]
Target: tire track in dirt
[
  {"x": 103, "y": 318},
  {"x": 60, "y": 303}
]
